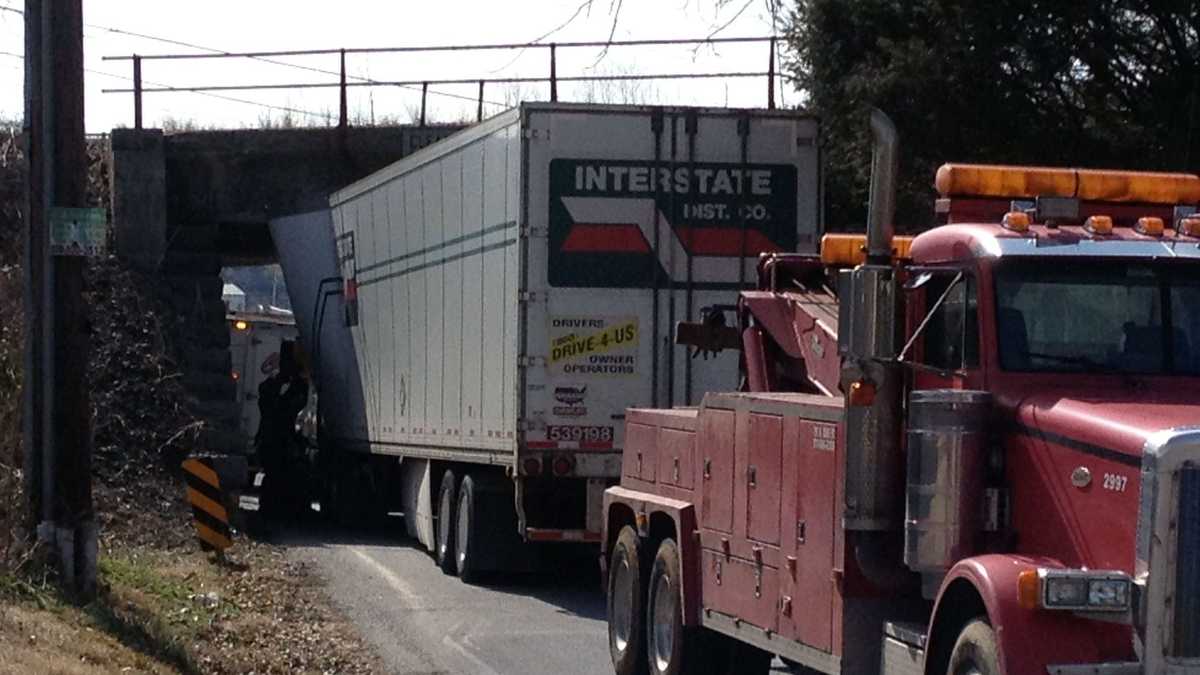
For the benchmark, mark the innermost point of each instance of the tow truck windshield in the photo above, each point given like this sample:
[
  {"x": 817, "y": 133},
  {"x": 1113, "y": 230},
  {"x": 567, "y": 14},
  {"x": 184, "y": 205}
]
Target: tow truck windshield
[{"x": 1098, "y": 317}]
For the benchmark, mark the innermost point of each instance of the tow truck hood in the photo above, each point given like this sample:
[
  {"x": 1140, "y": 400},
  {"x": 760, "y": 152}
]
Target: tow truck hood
[{"x": 1107, "y": 421}]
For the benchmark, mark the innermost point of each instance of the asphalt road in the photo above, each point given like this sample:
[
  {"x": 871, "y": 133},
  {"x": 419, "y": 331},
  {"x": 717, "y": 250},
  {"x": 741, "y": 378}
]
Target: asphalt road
[{"x": 422, "y": 621}]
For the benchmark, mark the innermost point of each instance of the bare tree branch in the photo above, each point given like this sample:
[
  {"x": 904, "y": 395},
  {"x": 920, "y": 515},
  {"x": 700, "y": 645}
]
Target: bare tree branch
[
  {"x": 735, "y": 17},
  {"x": 585, "y": 5},
  {"x": 616, "y": 17}
]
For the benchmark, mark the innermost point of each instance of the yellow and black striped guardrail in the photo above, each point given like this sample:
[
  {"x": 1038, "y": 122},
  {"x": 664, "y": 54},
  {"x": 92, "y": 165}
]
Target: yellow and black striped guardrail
[{"x": 208, "y": 509}]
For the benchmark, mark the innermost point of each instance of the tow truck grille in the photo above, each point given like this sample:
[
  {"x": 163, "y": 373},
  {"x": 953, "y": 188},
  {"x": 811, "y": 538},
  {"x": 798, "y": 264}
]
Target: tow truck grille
[{"x": 1187, "y": 579}]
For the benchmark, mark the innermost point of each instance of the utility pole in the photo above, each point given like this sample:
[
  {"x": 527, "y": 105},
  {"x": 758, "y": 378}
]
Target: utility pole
[{"x": 60, "y": 450}]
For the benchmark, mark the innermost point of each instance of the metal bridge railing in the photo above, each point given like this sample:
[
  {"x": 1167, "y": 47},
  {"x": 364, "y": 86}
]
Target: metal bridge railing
[{"x": 553, "y": 78}]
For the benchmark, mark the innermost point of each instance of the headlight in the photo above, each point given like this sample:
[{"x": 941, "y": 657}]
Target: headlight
[
  {"x": 1109, "y": 593},
  {"x": 1085, "y": 590}
]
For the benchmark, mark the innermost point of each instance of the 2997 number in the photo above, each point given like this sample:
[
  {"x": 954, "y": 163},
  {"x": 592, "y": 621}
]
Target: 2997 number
[
  {"x": 579, "y": 433},
  {"x": 1115, "y": 482}
]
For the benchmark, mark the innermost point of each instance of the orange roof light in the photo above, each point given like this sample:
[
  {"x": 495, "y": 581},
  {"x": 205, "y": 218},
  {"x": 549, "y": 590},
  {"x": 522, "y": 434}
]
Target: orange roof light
[
  {"x": 1149, "y": 226},
  {"x": 1028, "y": 182},
  {"x": 851, "y": 249},
  {"x": 1017, "y": 221},
  {"x": 1098, "y": 225},
  {"x": 1189, "y": 227}
]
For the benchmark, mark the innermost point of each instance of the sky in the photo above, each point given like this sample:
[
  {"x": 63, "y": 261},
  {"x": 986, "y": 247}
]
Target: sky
[{"x": 268, "y": 25}]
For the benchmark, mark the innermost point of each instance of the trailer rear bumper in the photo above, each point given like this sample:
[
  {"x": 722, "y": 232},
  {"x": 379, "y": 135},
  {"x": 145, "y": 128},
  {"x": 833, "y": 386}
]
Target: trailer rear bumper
[
  {"x": 539, "y": 534},
  {"x": 1099, "y": 669}
]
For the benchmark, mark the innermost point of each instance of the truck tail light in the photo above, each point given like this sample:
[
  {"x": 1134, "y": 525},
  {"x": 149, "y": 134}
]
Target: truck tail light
[
  {"x": 532, "y": 466},
  {"x": 240, "y": 325},
  {"x": 562, "y": 465}
]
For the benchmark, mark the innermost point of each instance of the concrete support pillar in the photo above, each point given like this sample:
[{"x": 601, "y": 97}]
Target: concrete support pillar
[{"x": 139, "y": 189}]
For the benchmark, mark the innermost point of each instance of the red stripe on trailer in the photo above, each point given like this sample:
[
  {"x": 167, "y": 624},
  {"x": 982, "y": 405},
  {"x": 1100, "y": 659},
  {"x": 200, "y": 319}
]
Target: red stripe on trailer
[
  {"x": 542, "y": 445},
  {"x": 724, "y": 241},
  {"x": 545, "y": 535},
  {"x": 595, "y": 445},
  {"x": 585, "y": 238}
]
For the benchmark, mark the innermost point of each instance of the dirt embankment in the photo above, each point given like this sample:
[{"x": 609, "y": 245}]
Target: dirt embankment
[{"x": 164, "y": 606}]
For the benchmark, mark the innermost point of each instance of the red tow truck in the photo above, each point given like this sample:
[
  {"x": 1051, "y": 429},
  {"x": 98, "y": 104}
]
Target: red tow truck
[{"x": 972, "y": 451}]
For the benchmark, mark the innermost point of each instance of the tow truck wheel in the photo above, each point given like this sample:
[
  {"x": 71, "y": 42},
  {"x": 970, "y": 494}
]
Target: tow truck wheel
[
  {"x": 975, "y": 651},
  {"x": 626, "y": 589},
  {"x": 671, "y": 648},
  {"x": 443, "y": 550},
  {"x": 466, "y": 533}
]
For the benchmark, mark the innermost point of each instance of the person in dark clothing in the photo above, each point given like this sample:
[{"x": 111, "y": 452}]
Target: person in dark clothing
[{"x": 281, "y": 397}]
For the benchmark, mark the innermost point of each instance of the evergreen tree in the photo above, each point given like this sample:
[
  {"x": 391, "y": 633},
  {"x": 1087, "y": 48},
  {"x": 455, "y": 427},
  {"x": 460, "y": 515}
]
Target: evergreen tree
[{"x": 1091, "y": 83}]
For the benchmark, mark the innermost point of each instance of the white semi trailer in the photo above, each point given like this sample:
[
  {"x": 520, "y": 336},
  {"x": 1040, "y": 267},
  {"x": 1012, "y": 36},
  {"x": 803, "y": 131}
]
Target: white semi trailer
[{"x": 510, "y": 290}]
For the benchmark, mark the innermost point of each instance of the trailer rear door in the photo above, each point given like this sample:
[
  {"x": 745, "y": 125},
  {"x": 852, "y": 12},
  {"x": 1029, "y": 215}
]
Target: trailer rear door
[{"x": 635, "y": 220}]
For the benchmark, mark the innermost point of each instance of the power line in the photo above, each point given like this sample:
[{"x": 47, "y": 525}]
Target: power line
[
  {"x": 298, "y": 66},
  {"x": 233, "y": 99}
]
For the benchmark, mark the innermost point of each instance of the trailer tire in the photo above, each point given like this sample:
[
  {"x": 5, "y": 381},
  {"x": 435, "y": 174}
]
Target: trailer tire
[
  {"x": 672, "y": 648},
  {"x": 975, "y": 651},
  {"x": 626, "y": 590},
  {"x": 443, "y": 548},
  {"x": 467, "y": 535}
]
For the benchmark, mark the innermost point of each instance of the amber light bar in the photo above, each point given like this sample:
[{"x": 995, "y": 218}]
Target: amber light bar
[
  {"x": 1030, "y": 182},
  {"x": 851, "y": 249}
]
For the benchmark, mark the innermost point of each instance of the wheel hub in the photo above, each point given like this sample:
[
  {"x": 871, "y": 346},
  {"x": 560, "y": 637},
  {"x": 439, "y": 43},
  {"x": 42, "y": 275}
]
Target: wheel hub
[
  {"x": 622, "y": 619},
  {"x": 663, "y": 631}
]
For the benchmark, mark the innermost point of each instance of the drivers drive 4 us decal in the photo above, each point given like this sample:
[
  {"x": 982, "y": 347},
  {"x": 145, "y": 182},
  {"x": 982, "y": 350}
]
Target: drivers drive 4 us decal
[{"x": 623, "y": 223}]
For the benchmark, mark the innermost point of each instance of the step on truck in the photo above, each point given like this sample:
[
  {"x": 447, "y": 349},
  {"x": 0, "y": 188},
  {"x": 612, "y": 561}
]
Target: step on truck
[
  {"x": 485, "y": 309},
  {"x": 972, "y": 451}
]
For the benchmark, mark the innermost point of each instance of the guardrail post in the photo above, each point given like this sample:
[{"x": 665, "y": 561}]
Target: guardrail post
[
  {"x": 771, "y": 77},
  {"x": 479, "y": 115},
  {"x": 137, "y": 92},
  {"x": 343, "y": 114},
  {"x": 424, "y": 95},
  {"x": 553, "y": 73}
]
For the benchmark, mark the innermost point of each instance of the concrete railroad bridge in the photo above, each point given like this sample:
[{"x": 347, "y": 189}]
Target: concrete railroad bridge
[{"x": 187, "y": 204}]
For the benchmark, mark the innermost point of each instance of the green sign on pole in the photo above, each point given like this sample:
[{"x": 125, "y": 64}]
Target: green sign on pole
[{"x": 77, "y": 232}]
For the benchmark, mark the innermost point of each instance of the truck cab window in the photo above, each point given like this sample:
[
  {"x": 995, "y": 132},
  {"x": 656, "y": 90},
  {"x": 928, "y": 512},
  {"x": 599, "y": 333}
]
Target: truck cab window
[
  {"x": 951, "y": 338},
  {"x": 1133, "y": 318}
]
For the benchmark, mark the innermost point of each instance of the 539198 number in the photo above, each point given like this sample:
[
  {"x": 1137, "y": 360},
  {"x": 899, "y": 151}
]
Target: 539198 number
[{"x": 579, "y": 433}]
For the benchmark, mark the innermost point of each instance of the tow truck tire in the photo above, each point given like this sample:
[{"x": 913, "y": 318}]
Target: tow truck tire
[
  {"x": 467, "y": 535},
  {"x": 443, "y": 548},
  {"x": 672, "y": 649},
  {"x": 975, "y": 651},
  {"x": 626, "y": 590}
]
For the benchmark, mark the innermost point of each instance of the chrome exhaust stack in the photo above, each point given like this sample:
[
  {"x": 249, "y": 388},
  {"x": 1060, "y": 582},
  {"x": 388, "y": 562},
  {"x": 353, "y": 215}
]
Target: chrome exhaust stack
[
  {"x": 881, "y": 209},
  {"x": 869, "y": 340}
]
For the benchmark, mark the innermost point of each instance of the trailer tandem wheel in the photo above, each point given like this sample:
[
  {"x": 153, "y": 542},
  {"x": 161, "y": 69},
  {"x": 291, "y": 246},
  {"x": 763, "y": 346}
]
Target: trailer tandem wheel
[
  {"x": 468, "y": 537},
  {"x": 626, "y": 590},
  {"x": 443, "y": 550}
]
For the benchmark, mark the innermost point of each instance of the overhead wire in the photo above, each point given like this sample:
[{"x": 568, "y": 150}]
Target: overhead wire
[
  {"x": 298, "y": 66},
  {"x": 233, "y": 99}
]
